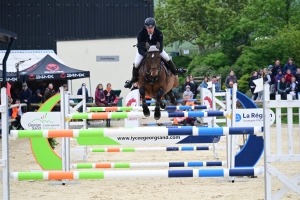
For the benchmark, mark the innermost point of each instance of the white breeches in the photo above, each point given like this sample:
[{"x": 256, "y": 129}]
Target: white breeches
[{"x": 139, "y": 57}]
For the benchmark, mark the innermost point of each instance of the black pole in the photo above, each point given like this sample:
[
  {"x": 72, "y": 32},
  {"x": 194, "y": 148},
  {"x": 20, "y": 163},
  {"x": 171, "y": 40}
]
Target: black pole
[{"x": 12, "y": 40}]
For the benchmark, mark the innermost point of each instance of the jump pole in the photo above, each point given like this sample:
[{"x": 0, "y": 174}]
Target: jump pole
[
  {"x": 193, "y": 173},
  {"x": 138, "y": 132},
  {"x": 147, "y": 149},
  {"x": 123, "y": 115},
  {"x": 148, "y": 165},
  {"x": 139, "y": 108}
]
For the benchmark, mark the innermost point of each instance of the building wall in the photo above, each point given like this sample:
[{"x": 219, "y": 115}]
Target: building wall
[
  {"x": 40, "y": 23},
  {"x": 82, "y": 55}
]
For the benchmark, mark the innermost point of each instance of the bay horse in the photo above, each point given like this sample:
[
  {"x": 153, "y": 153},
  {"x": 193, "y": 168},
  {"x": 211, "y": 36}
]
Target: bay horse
[{"x": 155, "y": 81}]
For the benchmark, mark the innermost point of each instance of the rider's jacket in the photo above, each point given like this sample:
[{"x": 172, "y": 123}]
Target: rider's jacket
[{"x": 144, "y": 37}]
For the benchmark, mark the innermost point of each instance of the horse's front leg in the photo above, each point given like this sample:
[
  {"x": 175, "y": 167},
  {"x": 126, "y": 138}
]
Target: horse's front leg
[
  {"x": 146, "y": 110},
  {"x": 159, "y": 95}
]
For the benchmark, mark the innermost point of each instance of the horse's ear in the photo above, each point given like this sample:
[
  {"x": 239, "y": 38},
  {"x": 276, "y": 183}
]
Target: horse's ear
[
  {"x": 157, "y": 45},
  {"x": 147, "y": 46}
]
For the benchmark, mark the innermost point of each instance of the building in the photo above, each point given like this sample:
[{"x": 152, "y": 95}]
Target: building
[{"x": 86, "y": 34}]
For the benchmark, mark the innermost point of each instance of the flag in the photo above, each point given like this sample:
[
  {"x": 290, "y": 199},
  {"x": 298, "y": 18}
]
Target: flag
[{"x": 8, "y": 86}]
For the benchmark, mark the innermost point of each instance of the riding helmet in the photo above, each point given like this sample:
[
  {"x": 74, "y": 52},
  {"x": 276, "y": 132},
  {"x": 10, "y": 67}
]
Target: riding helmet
[{"x": 150, "y": 22}]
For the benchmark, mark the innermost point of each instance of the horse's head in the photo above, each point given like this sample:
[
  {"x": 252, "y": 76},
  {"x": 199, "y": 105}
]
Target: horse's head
[{"x": 153, "y": 59}]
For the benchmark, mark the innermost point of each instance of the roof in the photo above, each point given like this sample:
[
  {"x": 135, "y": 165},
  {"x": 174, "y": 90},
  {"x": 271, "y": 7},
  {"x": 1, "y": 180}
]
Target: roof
[
  {"x": 5, "y": 35},
  {"x": 19, "y": 55},
  {"x": 50, "y": 69}
]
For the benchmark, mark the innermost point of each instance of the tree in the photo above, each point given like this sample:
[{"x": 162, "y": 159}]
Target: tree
[
  {"x": 267, "y": 17},
  {"x": 199, "y": 22}
]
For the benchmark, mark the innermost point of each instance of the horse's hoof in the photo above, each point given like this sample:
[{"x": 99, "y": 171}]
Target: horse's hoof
[
  {"x": 157, "y": 113},
  {"x": 157, "y": 116},
  {"x": 146, "y": 110},
  {"x": 162, "y": 105}
]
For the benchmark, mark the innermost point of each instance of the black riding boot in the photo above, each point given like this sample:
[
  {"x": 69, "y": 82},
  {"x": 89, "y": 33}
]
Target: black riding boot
[
  {"x": 135, "y": 77},
  {"x": 174, "y": 70}
]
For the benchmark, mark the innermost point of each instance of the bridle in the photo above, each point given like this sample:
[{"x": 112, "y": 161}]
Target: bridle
[{"x": 147, "y": 74}]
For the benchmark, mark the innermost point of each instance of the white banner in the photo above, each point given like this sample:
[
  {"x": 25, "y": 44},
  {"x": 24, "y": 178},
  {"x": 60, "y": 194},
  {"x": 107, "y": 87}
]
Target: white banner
[
  {"x": 41, "y": 120},
  {"x": 252, "y": 117},
  {"x": 133, "y": 100}
]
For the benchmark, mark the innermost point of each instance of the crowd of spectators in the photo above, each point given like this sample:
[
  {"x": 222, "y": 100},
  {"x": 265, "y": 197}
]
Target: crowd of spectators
[{"x": 282, "y": 80}]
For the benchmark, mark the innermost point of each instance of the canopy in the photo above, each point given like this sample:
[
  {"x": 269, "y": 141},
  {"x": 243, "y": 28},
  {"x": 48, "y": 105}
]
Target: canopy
[
  {"x": 10, "y": 76},
  {"x": 50, "y": 69}
]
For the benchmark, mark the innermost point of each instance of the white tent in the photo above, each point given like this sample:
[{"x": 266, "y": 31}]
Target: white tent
[{"x": 16, "y": 56}]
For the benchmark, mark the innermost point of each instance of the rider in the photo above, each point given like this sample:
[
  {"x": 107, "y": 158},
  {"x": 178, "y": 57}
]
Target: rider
[{"x": 152, "y": 35}]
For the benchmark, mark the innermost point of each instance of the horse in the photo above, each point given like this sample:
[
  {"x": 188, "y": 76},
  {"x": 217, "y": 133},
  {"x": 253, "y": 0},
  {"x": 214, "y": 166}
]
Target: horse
[{"x": 156, "y": 81}]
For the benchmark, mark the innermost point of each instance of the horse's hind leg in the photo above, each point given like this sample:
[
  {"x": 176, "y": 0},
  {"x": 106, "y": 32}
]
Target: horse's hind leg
[
  {"x": 172, "y": 96},
  {"x": 146, "y": 110},
  {"x": 159, "y": 95}
]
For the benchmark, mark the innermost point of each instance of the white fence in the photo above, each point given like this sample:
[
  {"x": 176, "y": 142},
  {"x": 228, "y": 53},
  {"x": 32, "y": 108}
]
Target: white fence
[{"x": 272, "y": 157}]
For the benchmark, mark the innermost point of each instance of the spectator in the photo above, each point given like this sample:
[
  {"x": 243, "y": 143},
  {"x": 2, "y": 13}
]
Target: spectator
[
  {"x": 266, "y": 76},
  {"x": 216, "y": 83},
  {"x": 230, "y": 84},
  {"x": 294, "y": 88},
  {"x": 100, "y": 96},
  {"x": 203, "y": 83},
  {"x": 261, "y": 75},
  {"x": 195, "y": 90},
  {"x": 37, "y": 97},
  {"x": 252, "y": 85},
  {"x": 275, "y": 69},
  {"x": 49, "y": 92},
  {"x": 297, "y": 75},
  {"x": 65, "y": 87},
  {"x": 187, "y": 82},
  {"x": 25, "y": 96},
  {"x": 231, "y": 77},
  {"x": 278, "y": 77},
  {"x": 15, "y": 94},
  {"x": 110, "y": 94},
  {"x": 272, "y": 84},
  {"x": 15, "y": 116},
  {"x": 79, "y": 92},
  {"x": 289, "y": 65},
  {"x": 187, "y": 93},
  {"x": 282, "y": 88},
  {"x": 135, "y": 86},
  {"x": 288, "y": 76}
]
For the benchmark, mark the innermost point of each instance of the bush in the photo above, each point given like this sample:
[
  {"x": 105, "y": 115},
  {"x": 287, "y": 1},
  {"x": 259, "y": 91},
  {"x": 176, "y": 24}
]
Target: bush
[
  {"x": 182, "y": 61},
  {"x": 243, "y": 83},
  {"x": 203, "y": 70},
  {"x": 53, "y": 143}
]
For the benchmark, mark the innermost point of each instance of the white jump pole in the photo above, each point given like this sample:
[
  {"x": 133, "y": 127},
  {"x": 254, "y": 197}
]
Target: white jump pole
[{"x": 5, "y": 145}]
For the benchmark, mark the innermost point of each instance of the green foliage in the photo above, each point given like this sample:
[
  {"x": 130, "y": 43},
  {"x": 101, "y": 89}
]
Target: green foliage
[
  {"x": 197, "y": 21},
  {"x": 242, "y": 37},
  {"x": 53, "y": 143},
  {"x": 243, "y": 83},
  {"x": 203, "y": 70},
  {"x": 216, "y": 60},
  {"x": 182, "y": 61}
]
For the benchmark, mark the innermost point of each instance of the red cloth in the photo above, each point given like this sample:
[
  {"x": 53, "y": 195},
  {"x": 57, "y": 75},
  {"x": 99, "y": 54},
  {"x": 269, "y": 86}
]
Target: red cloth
[{"x": 288, "y": 78}]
